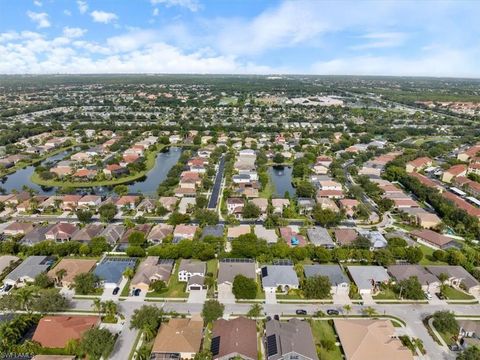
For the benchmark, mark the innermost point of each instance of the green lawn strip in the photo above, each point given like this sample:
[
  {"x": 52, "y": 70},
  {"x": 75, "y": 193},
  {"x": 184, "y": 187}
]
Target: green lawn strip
[
  {"x": 268, "y": 190},
  {"x": 149, "y": 162},
  {"x": 292, "y": 295},
  {"x": 454, "y": 294},
  {"x": 207, "y": 337},
  {"x": 134, "y": 347},
  {"x": 260, "y": 292},
  {"x": 387, "y": 294},
  {"x": 323, "y": 331},
  {"x": 126, "y": 289},
  {"x": 447, "y": 337}
]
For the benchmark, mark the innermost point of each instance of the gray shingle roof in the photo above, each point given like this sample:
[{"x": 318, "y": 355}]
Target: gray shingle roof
[
  {"x": 334, "y": 273},
  {"x": 30, "y": 267},
  {"x": 319, "y": 236},
  {"x": 363, "y": 275},
  {"x": 279, "y": 275}
]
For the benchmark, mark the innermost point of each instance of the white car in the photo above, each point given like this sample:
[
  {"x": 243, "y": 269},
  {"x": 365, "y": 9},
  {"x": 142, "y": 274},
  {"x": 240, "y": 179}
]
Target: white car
[{"x": 428, "y": 296}]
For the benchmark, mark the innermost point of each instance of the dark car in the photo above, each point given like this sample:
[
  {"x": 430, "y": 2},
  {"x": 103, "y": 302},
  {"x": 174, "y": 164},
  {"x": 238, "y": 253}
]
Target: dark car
[
  {"x": 301, "y": 312},
  {"x": 332, "y": 312},
  {"x": 440, "y": 296},
  {"x": 116, "y": 290},
  {"x": 268, "y": 318},
  {"x": 276, "y": 317},
  {"x": 137, "y": 292}
]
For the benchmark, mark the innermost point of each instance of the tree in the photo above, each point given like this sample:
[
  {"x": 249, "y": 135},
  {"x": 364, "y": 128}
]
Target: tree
[
  {"x": 244, "y": 287},
  {"x": 148, "y": 319},
  {"x": 176, "y": 218},
  {"x": 326, "y": 217},
  {"x": 59, "y": 275},
  {"x": 347, "y": 308},
  {"x": 471, "y": 353},
  {"x": 98, "y": 245},
  {"x": 414, "y": 255},
  {"x": 212, "y": 310},
  {"x": 158, "y": 286},
  {"x": 135, "y": 251},
  {"x": 43, "y": 281},
  {"x": 121, "y": 190},
  {"x": 206, "y": 217},
  {"x": 84, "y": 216},
  {"x": 384, "y": 257},
  {"x": 50, "y": 300},
  {"x": 97, "y": 343},
  {"x": 25, "y": 296},
  {"x": 444, "y": 321},
  {"x": 305, "y": 189},
  {"x": 317, "y": 287},
  {"x": 251, "y": 211},
  {"x": 410, "y": 288},
  {"x": 110, "y": 308},
  {"x": 136, "y": 238},
  {"x": 97, "y": 305},
  {"x": 85, "y": 283},
  {"x": 255, "y": 311},
  {"x": 361, "y": 242},
  {"x": 128, "y": 273},
  {"x": 278, "y": 158},
  {"x": 369, "y": 311},
  {"x": 107, "y": 212}
]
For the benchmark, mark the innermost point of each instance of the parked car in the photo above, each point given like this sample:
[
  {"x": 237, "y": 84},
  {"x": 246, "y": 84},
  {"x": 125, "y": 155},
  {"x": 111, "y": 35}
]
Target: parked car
[
  {"x": 332, "y": 312},
  {"x": 276, "y": 317},
  {"x": 268, "y": 318},
  {"x": 428, "y": 295},
  {"x": 301, "y": 312},
  {"x": 5, "y": 288},
  {"x": 137, "y": 292},
  {"x": 116, "y": 290},
  {"x": 440, "y": 296}
]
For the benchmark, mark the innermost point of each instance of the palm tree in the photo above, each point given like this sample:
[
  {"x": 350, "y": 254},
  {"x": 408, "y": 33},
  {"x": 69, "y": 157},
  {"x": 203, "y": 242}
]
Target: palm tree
[
  {"x": 143, "y": 353},
  {"x": 60, "y": 274},
  {"x": 347, "y": 308},
  {"x": 110, "y": 308},
  {"x": 128, "y": 273},
  {"x": 25, "y": 296},
  {"x": 255, "y": 311},
  {"x": 369, "y": 311},
  {"x": 97, "y": 305}
]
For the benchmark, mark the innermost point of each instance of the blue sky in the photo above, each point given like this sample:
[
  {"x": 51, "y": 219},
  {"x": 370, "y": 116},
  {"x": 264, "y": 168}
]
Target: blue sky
[{"x": 418, "y": 38}]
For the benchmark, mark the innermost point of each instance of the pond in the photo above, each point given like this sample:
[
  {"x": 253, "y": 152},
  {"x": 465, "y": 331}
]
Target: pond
[
  {"x": 281, "y": 177},
  {"x": 147, "y": 185},
  {"x": 21, "y": 177}
]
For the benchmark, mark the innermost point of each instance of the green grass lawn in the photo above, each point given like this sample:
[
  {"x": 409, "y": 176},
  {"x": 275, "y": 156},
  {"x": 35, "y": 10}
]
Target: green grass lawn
[
  {"x": 386, "y": 294},
  {"x": 427, "y": 256},
  {"x": 268, "y": 190},
  {"x": 126, "y": 289},
  {"x": 454, "y": 294},
  {"x": 323, "y": 331},
  {"x": 294, "y": 294},
  {"x": 176, "y": 289},
  {"x": 149, "y": 162}
]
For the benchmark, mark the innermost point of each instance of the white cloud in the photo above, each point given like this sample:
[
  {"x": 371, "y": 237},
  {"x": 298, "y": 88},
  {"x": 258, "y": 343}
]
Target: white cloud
[
  {"x": 155, "y": 12},
  {"x": 103, "y": 16},
  {"x": 131, "y": 41},
  {"x": 438, "y": 62},
  {"x": 41, "y": 19},
  {"x": 82, "y": 6},
  {"x": 381, "y": 40},
  {"x": 67, "y": 12},
  {"x": 192, "y": 5},
  {"x": 37, "y": 3},
  {"x": 73, "y": 32}
]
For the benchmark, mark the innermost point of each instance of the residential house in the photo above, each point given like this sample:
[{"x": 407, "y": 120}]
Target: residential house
[
  {"x": 90, "y": 201},
  {"x": 191, "y": 268},
  {"x": 61, "y": 232},
  {"x": 18, "y": 228},
  {"x": 36, "y": 235},
  {"x": 280, "y": 204},
  {"x": 319, "y": 236},
  {"x": 28, "y": 270},
  {"x": 305, "y": 205},
  {"x": 178, "y": 339},
  {"x": 168, "y": 202},
  {"x": 345, "y": 237},
  {"x": 349, "y": 206},
  {"x": 457, "y": 277},
  {"x": 139, "y": 228},
  {"x": 291, "y": 237},
  {"x": 418, "y": 164},
  {"x": 112, "y": 233},
  {"x": 377, "y": 240},
  {"x": 6, "y": 261},
  {"x": 292, "y": 339},
  {"x": 234, "y": 232},
  {"x": 427, "y": 220},
  {"x": 433, "y": 239},
  {"x": 57, "y": 331},
  {"x": 368, "y": 278},
  {"x": 127, "y": 201},
  {"x": 235, "y": 338},
  {"x": 70, "y": 202},
  {"x": 111, "y": 270},
  {"x": 282, "y": 277},
  {"x": 147, "y": 205},
  {"x": 235, "y": 205},
  {"x": 370, "y": 339},
  {"x": 469, "y": 153},
  {"x": 430, "y": 283},
  {"x": 70, "y": 269},
  {"x": 150, "y": 270},
  {"x": 216, "y": 231},
  {"x": 339, "y": 282},
  {"x": 184, "y": 232},
  {"x": 159, "y": 232},
  {"x": 453, "y": 172},
  {"x": 327, "y": 204},
  {"x": 269, "y": 235},
  {"x": 261, "y": 203},
  {"x": 228, "y": 269},
  {"x": 87, "y": 233}
]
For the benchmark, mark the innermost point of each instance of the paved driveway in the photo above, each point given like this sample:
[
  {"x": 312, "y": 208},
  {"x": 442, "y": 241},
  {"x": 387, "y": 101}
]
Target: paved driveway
[
  {"x": 225, "y": 295},
  {"x": 270, "y": 298},
  {"x": 197, "y": 297}
]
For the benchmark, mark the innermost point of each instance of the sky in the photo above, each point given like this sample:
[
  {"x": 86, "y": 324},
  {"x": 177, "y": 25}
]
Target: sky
[{"x": 418, "y": 38}]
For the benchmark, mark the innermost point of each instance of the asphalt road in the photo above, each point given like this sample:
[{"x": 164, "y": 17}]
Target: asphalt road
[
  {"x": 412, "y": 314},
  {"x": 213, "y": 202}
]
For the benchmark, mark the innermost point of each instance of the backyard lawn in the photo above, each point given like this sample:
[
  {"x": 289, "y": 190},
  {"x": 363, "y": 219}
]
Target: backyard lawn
[
  {"x": 427, "y": 256},
  {"x": 323, "y": 332},
  {"x": 386, "y": 294}
]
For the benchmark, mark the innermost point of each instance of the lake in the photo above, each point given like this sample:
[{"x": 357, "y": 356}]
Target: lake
[
  {"x": 147, "y": 185},
  {"x": 281, "y": 177}
]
